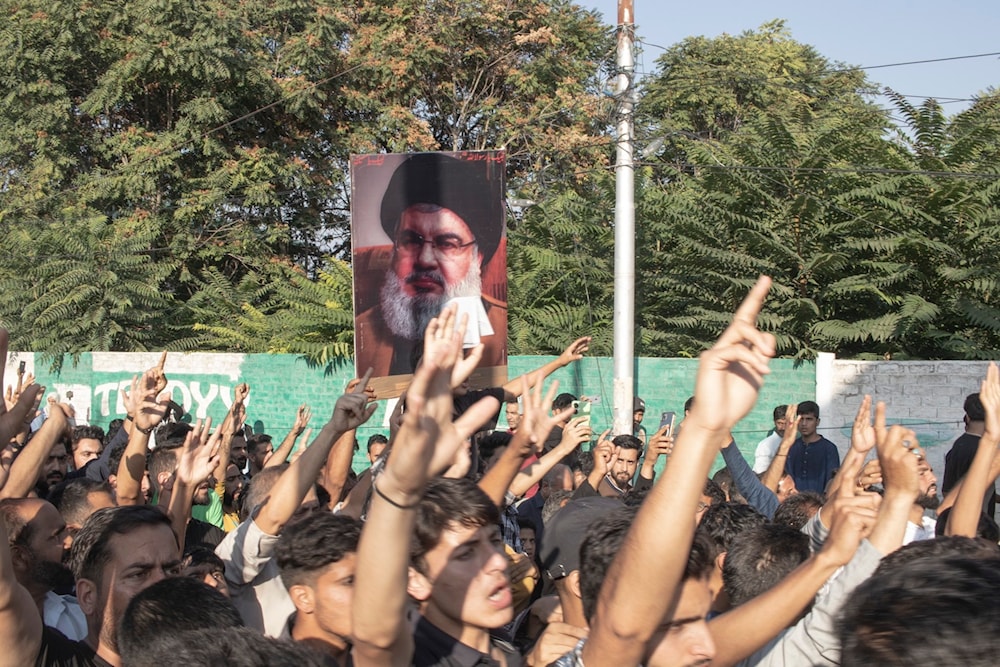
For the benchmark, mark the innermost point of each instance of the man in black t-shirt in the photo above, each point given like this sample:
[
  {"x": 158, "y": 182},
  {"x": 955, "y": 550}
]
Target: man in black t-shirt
[{"x": 959, "y": 458}]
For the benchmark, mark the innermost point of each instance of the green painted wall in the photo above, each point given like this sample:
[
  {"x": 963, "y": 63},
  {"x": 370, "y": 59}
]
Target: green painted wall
[{"x": 203, "y": 383}]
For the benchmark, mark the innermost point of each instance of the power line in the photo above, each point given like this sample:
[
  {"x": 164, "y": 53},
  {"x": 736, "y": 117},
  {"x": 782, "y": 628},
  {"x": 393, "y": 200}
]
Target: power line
[{"x": 825, "y": 170}]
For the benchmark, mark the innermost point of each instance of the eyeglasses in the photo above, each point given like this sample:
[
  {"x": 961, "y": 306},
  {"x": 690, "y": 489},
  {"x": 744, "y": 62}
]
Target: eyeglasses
[{"x": 411, "y": 243}]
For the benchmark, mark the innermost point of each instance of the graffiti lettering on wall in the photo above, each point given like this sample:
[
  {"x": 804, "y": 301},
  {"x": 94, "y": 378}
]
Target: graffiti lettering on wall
[{"x": 104, "y": 401}]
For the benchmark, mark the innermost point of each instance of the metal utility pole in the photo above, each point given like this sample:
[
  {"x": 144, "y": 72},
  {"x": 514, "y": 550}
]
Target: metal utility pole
[{"x": 624, "y": 316}]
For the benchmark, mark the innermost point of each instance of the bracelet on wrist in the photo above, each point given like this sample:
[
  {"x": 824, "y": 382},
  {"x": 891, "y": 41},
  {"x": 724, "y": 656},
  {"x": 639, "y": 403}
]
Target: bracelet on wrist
[
  {"x": 392, "y": 502},
  {"x": 144, "y": 431}
]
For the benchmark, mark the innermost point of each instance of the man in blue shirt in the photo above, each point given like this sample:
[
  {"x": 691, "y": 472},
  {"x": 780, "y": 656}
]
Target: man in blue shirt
[{"x": 812, "y": 460}]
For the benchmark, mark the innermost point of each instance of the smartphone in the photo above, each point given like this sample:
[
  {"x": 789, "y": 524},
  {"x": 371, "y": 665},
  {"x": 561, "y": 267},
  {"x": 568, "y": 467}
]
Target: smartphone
[
  {"x": 667, "y": 419},
  {"x": 582, "y": 410},
  {"x": 20, "y": 368}
]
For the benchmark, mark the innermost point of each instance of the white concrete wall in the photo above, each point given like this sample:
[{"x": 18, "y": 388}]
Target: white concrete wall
[{"x": 927, "y": 395}]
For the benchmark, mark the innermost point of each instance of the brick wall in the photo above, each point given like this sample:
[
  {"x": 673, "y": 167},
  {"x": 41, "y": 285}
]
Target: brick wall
[{"x": 927, "y": 395}]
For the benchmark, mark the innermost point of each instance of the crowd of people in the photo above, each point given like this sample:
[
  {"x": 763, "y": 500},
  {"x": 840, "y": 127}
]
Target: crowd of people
[{"x": 164, "y": 542}]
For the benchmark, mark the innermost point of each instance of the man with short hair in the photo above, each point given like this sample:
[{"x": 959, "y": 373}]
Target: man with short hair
[
  {"x": 638, "y": 412},
  {"x": 86, "y": 443},
  {"x": 768, "y": 447},
  {"x": 444, "y": 217},
  {"x": 259, "y": 448},
  {"x": 162, "y": 466},
  {"x": 513, "y": 414},
  {"x": 118, "y": 553},
  {"x": 959, "y": 457},
  {"x": 376, "y": 445},
  {"x": 76, "y": 499},
  {"x": 812, "y": 460},
  {"x": 618, "y": 482},
  {"x": 317, "y": 558},
  {"x": 54, "y": 469},
  {"x": 38, "y": 541}
]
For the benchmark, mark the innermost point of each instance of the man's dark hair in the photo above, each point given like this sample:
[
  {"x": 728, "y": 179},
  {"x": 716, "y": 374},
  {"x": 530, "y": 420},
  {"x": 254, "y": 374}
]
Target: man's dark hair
[
  {"x": 168, "y": 609},
  {"x": 603, "y": 541},
  {"x": 584, "y": 462},
  {"x": 987, "y": 528},
  {"x": 309, "y": 545},
  {"x": 554, "y": 503},
  {"x": 254, "y": 442},
  {"x": 779, "y": 412},
  {"x": 171, "y": 434},
  {"x": 722, "y": 522},
  {"x": 378, "y": 438},
  {"x": 761, "y": 557},
  {"x": 202, "y": 555},
  {"x": 489, "y": 444},
  {"x": 114, "y": 426},
  {"x": 524, "y": 522},
  {"x": 952, "y": 546},
  {"x": 796, "y": 510},
  {"x": 627, "y": 442},
  {"x": 163, "y": 459},
  {"x": 233, "y": 647},
  {"x": 562, "y": 401},
  {"x": 974, "y": 408},
  {"x": 71, "y": 497},
  {"x": 92, "y": 545},
  {"x": 115, "y": 457},
  {"x": 939, "y": 609},
  {"x": 713, "y": 491},
  {"x": 808, "y": 408},
  {"x": 81, "y": 432},
  {"x": 688, "y": 403},
  {"x": 724, "y": 479},
  {"x": 446, "y": 502}
]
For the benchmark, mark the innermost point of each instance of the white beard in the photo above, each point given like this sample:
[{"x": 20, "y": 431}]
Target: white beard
[{"x": 408, "y": 316}]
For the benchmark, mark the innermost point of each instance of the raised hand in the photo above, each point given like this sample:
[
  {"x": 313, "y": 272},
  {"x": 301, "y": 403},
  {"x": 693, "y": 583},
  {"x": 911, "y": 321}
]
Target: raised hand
[
  {"x": 989, "y": 395},
  {"x": 660, "y": 444},
  {"x": 302, "y": 416},
  {"x": 144, "y": 403},
  {"x": 899, "y": 455},
  {"x": 731, "y": 373},
  {"x": 352, "y": 409},
  {"x": 575, "y": 351},
  {"x": 240, "y": 393},
  {"x": 863, "y": 432},
  {"x": 465, "y": 366},
  {"x": 199, "y": 455}
]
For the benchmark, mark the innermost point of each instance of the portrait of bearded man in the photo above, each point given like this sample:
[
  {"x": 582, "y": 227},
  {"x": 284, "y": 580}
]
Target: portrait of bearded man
[{"x": 444, "y": 216}]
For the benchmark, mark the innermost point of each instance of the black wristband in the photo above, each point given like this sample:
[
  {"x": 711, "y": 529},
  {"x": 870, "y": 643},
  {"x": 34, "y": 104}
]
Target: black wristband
[{"x": 391, "y": 501}]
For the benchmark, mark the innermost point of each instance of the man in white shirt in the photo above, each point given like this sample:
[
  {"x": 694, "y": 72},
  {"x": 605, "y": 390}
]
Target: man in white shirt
[{"x": 767, "y": 447}]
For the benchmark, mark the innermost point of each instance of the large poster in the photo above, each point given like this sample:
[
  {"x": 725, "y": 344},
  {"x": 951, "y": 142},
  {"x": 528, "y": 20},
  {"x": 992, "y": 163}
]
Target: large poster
[{"x": 428, "y": 229}]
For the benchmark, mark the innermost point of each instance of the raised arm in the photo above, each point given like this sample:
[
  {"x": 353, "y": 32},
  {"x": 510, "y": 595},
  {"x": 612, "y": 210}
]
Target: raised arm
[
  {"x": 630, "y": 608},
  {"x": 196, "y": 461},
  {"x": 20, "y": 622},
  {"x": 233, "y": 421},
  {"x": 964, "y": 517},
  {"x": 351, "y": 411},
  {"x": 25, "y": 469},
  {"x": 146, "y": 410},
  {"x": 576, "y": 432},
  {"x": 758, "y": 496},
  {"x": 424, "y": 446},
  {"x": 747, "y": 628},
  {"x": 534, "y": 428},
  {"x": 280, "y": 455},
  {"x": 661, "y": 444},
  {"x": 574, "y": 352},
  {"x": 776, "y": 469}
]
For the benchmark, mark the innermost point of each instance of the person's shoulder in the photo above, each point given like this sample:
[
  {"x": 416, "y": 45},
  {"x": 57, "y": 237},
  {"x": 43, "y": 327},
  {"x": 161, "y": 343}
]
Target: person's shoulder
[
  {"x": 492, "y": 302},
  {"x": 58, "y": 650}
]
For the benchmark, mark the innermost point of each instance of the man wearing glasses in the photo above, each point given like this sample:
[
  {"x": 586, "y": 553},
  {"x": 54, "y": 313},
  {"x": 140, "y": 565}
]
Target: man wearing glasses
[{"x": 445, "y": 218}]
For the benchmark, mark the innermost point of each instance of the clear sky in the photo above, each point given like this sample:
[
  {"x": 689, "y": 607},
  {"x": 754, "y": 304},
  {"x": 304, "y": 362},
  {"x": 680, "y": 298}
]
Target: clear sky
[{"x": 852, "y": 32}]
